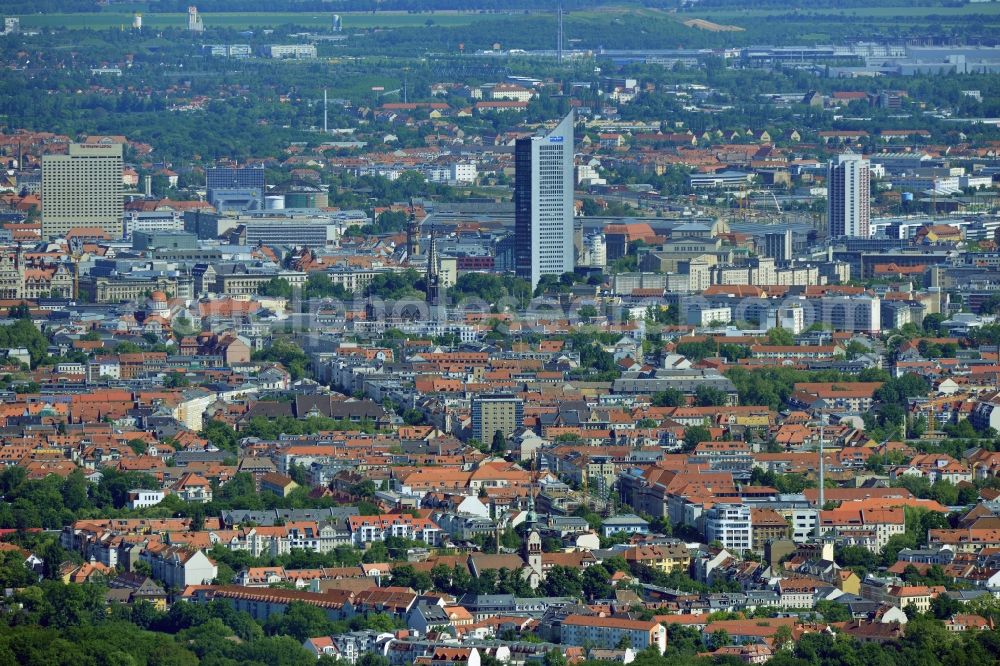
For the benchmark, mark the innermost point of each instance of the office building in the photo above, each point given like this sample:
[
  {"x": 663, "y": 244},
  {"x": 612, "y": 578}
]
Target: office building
[
  {"x": 597, "y": 250},
  {"x": 83, "y": 189},
  {"x": 296, "y": 51},
  {"x": 698, "y": 315},
  {"x": 730, "y": 525},
  {"x": 195, "y": 24},
  {"x": 849, "y": 196},
  {"x": 791, "y": 317},
  {"x": 491, "y": 413},
  {"x": 232, "y": 178},
  {"x": 152, "y": 221},
  {"x": 235, "y": 188},
  {"x": 543, "y": 203},
  {"x": 778, "y": 246}
]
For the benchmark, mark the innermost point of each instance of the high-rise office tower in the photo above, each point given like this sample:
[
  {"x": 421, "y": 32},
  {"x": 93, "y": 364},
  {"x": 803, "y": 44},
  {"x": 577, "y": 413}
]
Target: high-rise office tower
[
  {"x": 543, "y": 203},
  {"x": 848, "y": 196},
  {"x": 83, "y": 188}
]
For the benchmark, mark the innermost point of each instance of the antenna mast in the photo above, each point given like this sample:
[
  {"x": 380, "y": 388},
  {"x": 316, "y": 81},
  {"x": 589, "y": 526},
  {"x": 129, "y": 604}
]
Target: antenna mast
[{"x": 559, "y": 36}]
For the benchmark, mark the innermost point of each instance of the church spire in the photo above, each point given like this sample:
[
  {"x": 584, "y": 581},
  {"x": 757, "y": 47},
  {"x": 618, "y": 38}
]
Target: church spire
[
  {"x": 412, "y": 235},
  {"x": 433, "y": 278}
]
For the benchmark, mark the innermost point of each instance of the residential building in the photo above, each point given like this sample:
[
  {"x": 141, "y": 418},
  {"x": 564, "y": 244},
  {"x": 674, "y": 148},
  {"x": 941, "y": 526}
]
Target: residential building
[
  {"x": 849, "y": 196},
  {"x": 279, "y": 484},
  {"x": 767, "y": 525},
  {"x": 494, "y": 413},
  {"x": 624, "y": 522},
  {"x": 870, "y": 528},
  {"x": 140, "y": 499},
  {"x": 179, "y": 566},
  {"x": 662, "y": 557},
  {"x": 612, "y": 632},
  {"x": 918, "y": 596},
  {"x": 367, "y": 529},
  {"x": 193, "y": 488}
]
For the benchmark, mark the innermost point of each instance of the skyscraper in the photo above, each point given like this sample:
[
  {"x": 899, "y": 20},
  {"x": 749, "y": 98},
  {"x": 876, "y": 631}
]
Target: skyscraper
[
  {"x": 848, "y": 196},
  {"x": 543, "y": 203},
  {"x": 83, "y": 189}
]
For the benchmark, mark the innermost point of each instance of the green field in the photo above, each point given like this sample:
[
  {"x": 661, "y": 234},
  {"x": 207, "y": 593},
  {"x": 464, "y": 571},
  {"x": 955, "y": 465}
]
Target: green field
[
  {"x": 351, "y": 21},
  {"x": 987, "y": 8}
]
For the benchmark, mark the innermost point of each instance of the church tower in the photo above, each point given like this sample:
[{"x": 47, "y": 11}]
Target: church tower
[
  {"x": 533, "y": 553},
  {"x": 370, "y": 312},
  {"x": 412, "y": 235},
  {"x": 433, "y": 279}
]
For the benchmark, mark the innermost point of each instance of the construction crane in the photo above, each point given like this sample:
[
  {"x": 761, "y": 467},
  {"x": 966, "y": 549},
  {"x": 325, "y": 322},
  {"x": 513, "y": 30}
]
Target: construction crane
[
  {"x": 776, "y": 204},
  {"x": 742, "y": 204}
]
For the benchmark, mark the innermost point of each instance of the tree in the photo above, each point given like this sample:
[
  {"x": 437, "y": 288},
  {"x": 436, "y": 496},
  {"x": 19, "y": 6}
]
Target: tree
[
  {"x": 896, "y": 543},
  {"x": 832, "y": 611},
  {"x": 945, "y": 492},
  {"x": 563, "y": 582},
  {"x": 406, "y": 576},
  {"x": 855, "y": 556},
  {"x": 176, "y": 380},
  {"x": 783, "y": 636},
  {"x": 276, "y": 287},
  {"x": 595, "y": 582},
  {"x": 709, "y": 396},
  {"x": 372, "y": 659},
  {"x": 301, "y": 621},
  {"x": 288, "y": 354},
  {"x": 21, "y": 311},
  {"x": 499, "y": 444},
  {"x": 23, "y": 333},
  {"x": 943, "y": 606},
  {"x": 780, "y": 337},
  {"x": 553, "y": 658},
  {"x": 364, "y": 489},
  {"x": 13, "y": 572},
  {"x": 695, "y": 434},
  {"x": 669, "y": 398},
  {"x": 319, "y": 285},
  {"x": 221, "y": 434},
  {"x": 720, "y": 638}
]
